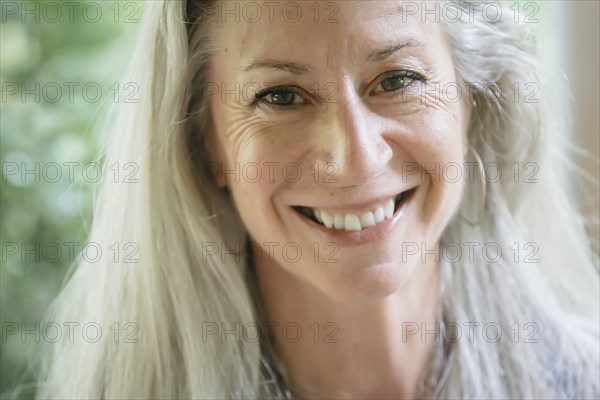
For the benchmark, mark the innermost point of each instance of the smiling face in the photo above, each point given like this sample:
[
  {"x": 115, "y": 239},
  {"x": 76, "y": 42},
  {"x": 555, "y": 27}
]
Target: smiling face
[{"x": 335, "y": 136}]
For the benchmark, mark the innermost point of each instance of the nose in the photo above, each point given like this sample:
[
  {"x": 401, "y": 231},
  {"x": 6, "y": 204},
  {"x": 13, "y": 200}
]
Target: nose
[{"x": 353, "y": 141}]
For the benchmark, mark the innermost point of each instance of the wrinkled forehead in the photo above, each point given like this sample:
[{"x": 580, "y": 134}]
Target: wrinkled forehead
[{"x": 325, "y": 31}]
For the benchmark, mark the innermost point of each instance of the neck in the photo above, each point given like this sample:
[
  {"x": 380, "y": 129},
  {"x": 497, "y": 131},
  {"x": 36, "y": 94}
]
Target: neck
[{"x": 350, "y": 350}]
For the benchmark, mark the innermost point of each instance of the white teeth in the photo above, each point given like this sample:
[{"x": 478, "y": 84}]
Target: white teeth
[
  {"x": 352, "y": 223},
  {"x": 379, "y": 215},
  {"x": 367, "y": 220},
  {"x": 389, "y": 208},
  {"x": 327, "y": 219},
  {"x": 318, "y": 216},
  {"x": 338, "y": 221}
]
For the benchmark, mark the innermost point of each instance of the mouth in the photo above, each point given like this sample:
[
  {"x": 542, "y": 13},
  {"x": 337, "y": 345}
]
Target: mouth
[{"x": 359, "y": 221}]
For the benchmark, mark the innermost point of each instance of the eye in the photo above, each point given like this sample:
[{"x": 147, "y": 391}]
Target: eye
[
  {"x": 280, "y": 96},
  {"x": 397, "y": 80}
]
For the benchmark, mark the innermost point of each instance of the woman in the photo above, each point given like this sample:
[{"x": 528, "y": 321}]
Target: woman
[{"x": 315, "y": 215}]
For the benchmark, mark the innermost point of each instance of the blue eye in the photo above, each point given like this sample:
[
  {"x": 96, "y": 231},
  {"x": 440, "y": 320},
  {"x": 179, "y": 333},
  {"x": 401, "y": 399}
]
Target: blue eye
[
  {"x": 397, "y": 80},
  {"x": 281, "y": 96}
]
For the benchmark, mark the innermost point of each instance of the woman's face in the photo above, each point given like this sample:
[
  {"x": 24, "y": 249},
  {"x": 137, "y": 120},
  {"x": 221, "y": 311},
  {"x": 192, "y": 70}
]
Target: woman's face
[{"x": 334, "y": 138}]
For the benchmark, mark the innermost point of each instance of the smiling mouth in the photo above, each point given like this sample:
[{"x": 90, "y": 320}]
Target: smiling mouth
[{"x": 355, "y": 222}]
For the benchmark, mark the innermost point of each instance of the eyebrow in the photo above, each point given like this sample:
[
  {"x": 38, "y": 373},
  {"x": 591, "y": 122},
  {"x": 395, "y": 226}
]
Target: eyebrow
[
  {"x": 299, "y": 68},
  {"x": 381, "y": 55},
  {"x": 292, "y": 67}
]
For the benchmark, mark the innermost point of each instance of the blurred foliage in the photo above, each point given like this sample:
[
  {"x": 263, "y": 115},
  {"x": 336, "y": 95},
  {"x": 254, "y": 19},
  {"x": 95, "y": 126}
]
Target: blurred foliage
[{"x": 40, "y": 213}]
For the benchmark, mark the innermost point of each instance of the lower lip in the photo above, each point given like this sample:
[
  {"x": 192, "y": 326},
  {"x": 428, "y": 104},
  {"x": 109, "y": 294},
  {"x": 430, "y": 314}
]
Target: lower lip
[{"x": 372, "y": 234}]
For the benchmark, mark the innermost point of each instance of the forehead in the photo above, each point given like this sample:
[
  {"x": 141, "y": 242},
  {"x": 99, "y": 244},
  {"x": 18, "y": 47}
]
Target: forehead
[{"x": 322, "y": 30}]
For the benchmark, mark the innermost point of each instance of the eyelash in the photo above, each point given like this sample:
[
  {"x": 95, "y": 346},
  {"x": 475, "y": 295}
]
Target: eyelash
[
  {"x": 413, "y": 76},
  {"x": 260, "y": 97}
]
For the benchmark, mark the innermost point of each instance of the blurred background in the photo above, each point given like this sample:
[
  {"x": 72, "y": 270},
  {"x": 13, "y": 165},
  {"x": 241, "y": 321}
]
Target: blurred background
[
  {"x": 66, "y": 61},
  {"x": 60, "y": 70}
]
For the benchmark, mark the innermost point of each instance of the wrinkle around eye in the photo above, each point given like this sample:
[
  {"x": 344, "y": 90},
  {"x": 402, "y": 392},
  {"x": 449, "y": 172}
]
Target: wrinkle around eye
[
  {"x": 438, "y": 100},
  {"x": 237, "y": 126},
  {"x": 250, "y": 133},
  {"x": 244, "y": 140}
]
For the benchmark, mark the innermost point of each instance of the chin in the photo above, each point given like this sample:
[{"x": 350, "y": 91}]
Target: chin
[{"x": 356, "y": 284}]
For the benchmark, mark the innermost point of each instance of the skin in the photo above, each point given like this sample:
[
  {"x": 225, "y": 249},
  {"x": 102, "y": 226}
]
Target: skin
[{"x": 369, "y": 134}]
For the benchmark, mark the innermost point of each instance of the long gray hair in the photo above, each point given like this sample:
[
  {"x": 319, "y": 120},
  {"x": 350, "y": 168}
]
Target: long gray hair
[{"x": 173, "y": 290}]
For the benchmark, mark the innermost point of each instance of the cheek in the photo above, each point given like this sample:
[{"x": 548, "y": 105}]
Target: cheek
[
  {"x": 271, "y": 157},
  {"x": 437, "y": 148},
  {"x": 258, "y": 168}
]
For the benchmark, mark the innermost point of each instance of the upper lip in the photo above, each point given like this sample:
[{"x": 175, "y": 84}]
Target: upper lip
[{"x": 358, "y": 206}]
